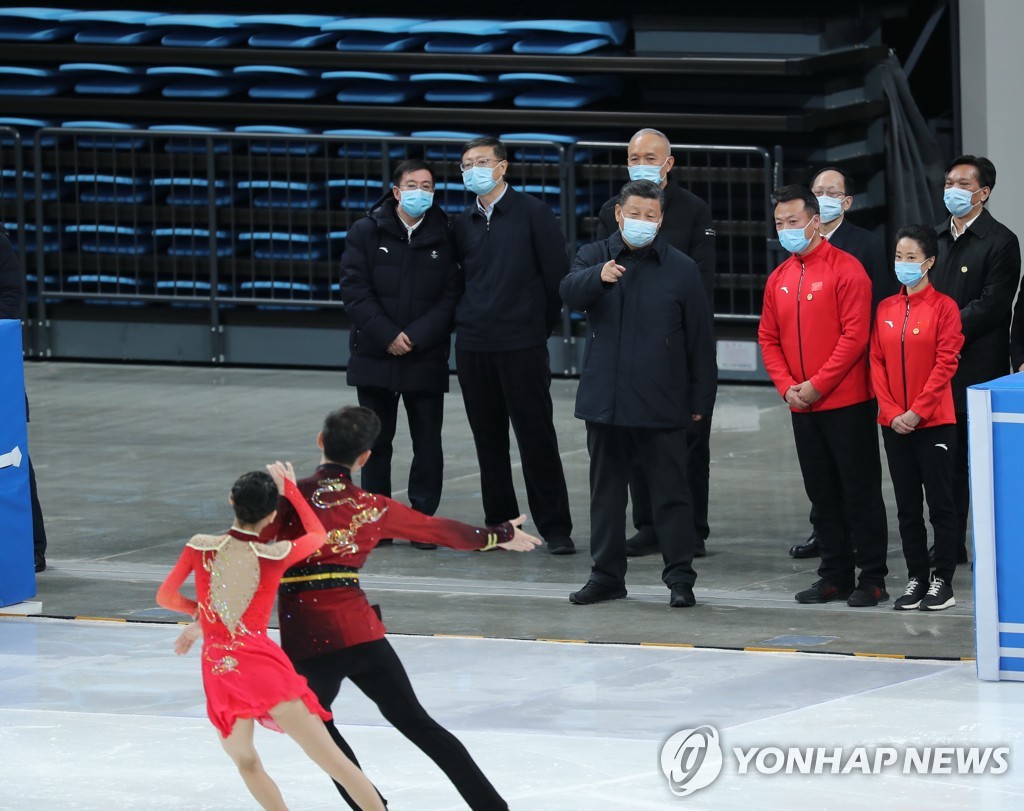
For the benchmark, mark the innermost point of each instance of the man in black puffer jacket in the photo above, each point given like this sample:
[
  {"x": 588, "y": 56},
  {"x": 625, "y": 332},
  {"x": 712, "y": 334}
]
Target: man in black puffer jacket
[{"x": 400, "y": 285}]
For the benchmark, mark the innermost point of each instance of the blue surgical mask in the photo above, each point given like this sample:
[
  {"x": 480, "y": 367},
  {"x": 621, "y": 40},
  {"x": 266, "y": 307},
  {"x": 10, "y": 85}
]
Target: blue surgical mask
[
  {"x": 831, "y": 209},
  {"x": 416, "y": 201},
  {"x": 646, "y": 172},
  {"x": 794, "y": 240},
  {"x": 958, "y": 201},
  {"x": 639, "y": 233},
  {"x": 479, "y": 179},
  {"x": 909, "y": 273}
]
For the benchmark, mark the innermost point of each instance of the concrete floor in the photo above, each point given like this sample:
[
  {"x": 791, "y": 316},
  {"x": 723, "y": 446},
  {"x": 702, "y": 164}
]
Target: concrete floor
[{"x": 131, "y": 460}]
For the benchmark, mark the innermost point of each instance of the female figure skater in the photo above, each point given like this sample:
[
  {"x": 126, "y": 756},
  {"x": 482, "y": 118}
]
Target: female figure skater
[{"x": 246, "y": 676}]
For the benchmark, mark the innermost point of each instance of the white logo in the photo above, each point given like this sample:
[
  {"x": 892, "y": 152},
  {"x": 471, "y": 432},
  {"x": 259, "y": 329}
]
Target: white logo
[
  {"x": 784, "y": 289},
  {"x": 942, "y": 445},
  {"x": 889, "y": 323},
  {"x": 382, "y": 248},
  {"x": 691, "y": 759},
  {"x": 12, "y": 458},
  {"x": 434, "y": 254}
]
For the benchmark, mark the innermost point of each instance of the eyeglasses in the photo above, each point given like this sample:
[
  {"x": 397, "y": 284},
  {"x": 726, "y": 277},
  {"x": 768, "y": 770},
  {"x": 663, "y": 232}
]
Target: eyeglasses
[
  {"x": 835, "y": 195},
  {"x": 483, "y": 163},
  {"x": 426, "y": 185}
]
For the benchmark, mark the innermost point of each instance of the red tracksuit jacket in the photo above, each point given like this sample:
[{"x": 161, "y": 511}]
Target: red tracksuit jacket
[
  {"x": 915, "y": 345},
  {"x": 815, "y": 326}
]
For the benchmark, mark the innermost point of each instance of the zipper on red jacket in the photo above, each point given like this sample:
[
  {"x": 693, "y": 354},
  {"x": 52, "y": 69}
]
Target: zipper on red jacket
[
  {"x": 799, "y": 329},
  {"x": 903, "y": 353}
]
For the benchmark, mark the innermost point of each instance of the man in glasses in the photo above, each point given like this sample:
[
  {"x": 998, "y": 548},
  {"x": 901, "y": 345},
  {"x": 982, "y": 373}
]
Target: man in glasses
[{"x": 513, "y": 257}]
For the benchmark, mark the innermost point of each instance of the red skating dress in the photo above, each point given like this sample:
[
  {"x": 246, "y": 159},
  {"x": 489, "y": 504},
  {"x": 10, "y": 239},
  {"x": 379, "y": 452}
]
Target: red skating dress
[{"x": 245, "y": 673}]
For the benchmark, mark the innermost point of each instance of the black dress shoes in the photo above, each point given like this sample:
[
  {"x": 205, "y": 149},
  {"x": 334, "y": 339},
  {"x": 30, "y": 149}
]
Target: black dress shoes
[
  {"x": 807, "y": 549},
  {"x": 596, "y": 593},
  {"x": 560, "y": 545},
  {"x": 682, "y": 596},
  {"x": 643, "y": 543}
]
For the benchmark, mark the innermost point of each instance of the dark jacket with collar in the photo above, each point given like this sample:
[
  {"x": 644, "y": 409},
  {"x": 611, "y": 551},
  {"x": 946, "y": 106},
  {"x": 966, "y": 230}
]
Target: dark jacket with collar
[
  {"x": 650, "y": 355},
  {"x": 686, "y": 226},
  {"x": 869, "y": 251},
  {"x": 392, "y": 284},
  {"x": 512, "y": 267},
  {"x": 12, "y": 280},
  {"x": 980, "y": 272}
]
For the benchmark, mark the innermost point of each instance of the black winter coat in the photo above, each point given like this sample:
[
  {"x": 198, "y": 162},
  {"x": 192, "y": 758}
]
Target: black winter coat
[
  {"x": 686, "y": 226},
  {"x": 391, "y": 284},
  {"x": 12, "y": 280},
  {"x": 512, "y": 266},
  {"x": 867, "y": 249},
  {"x": 980, "y": 272},
  {"x": 650, "y": 355}
]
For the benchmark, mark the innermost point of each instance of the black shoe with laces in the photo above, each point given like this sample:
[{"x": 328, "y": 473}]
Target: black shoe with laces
[
  {"x": 911, "y": 597},
  {"x": 939, "y": 596},
  {"x": 867, "y": 595},
  {"x": 822, "y": 592},
  {"x": 596, "y": 593}
]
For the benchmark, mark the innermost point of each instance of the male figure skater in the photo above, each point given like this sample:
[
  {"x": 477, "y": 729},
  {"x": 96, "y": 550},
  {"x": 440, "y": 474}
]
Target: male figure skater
[{"x": 328, "y": 628}]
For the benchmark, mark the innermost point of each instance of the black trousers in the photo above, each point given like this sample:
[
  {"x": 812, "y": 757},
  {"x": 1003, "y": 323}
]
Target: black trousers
[
  {"x": 923, "y": 460},
  {"x": 842, "y": 472},
  {"x": 499, "y": 387},
  {"x": 375, "y": 668},
  {"x": 961, "y": 482},
  {"x": 425, "y": 411},
  {"x": 698, "y": 474},
  {"x": 661, "y": 454},
  {"x": 38, "y": 527}
]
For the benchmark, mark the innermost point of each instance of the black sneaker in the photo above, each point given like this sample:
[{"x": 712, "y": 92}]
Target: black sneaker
[
  {"x": 939, "y": 596},
  {"x": 822, "y": 592},
  {"x": 682, "y": 596},
  {"x": 912, "y": 595},
  {"x": 596, "y": 593},
  {"x": 867, "y": 595}
]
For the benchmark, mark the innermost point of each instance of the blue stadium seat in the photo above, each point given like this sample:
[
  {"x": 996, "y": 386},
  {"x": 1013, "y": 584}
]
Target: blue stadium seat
[
  {"x": 200, "y": 30},
  {"x": 33, "y": 24},
  {"x": 452, "y": 195},
  {"x": 285, "y": 194},
  {"x": 9, "y": 188},
  {"x": 16, "y": 81},
  {"x": 555, "y": 91},
  {"x": 280, "y": 147},
  {"x": 367, "y": 148},
  {"x": 26, "y": 127},
  {"x": 27, "y": 236},
  {"x": 552, "y": 195},
  {"x": 369, "y": 87},
  {"x": 291, "y": 30},
  {"x": 114, "y": 27},
  {"x": 109, "y": 140},
  {"x": 445, "y": 151},
  {"x": 179, "y": 142},
  {"x": 194, "y": 191},
  {"x": 186, "y": 82},
  {"x": 95, "y": 78},
  {"x": 195, "y": 242},
  {"x": 541, "y": 154},
  {"x": 464, "y": 36},
  {"x": 120, "y": 240},
  {"x": 385, "y": 34},
  {"x": 357, "y": 193},
  {"x": 94, "y": 188},
  {"x": 460, "y": 88},
  {"x": 565, "y": 37},
  {"x": 287, "y": 246},
  {"x": 284, "y": 83},
  {"x": 108, "y": 284}
]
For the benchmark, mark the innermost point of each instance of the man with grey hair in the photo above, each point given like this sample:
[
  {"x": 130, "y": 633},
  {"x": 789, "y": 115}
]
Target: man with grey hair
[
  {"x": 686, "y": 226},
  {"x": 648, "y": 374}
]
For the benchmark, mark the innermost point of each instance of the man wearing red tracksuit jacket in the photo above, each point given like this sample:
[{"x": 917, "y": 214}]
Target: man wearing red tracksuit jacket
[
  {"x": 814, "y": 332},
  {"x": 915, "y": 344}
]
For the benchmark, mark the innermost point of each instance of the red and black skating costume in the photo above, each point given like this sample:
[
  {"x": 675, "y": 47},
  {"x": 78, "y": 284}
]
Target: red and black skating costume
[
  {"x": 245, "y": 673},
  {"x": 330, "y": 631}
]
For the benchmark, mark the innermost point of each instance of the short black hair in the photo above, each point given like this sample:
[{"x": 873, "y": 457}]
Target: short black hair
[
  {"x": 923, "y": 235},
  {"x": 405, "y": 167},
  {"x": 787, "y": 194},
  {"x": 985, "y": 168},
  {"x": 348, "y": 432},
  {"x": 499, "y": 148},
  {"x": 848, "y": 184},
  {"x": 254, "y": 497},
  {"x": 647, "y": 189}
]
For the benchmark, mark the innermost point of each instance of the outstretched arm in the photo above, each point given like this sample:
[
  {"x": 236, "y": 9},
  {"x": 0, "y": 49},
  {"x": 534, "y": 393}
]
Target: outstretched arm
[{"x": 404, "y": 522}]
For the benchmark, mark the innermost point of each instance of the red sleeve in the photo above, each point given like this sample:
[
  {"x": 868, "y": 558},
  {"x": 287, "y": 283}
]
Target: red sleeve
[
  {"x": 168, "y": 595},
  {"x": 314, "y": 536},
  {"x": 888, "y": 408},
  {"x": 404, "y": 522},
  {"x": 948, "y": 342},
  {"x": 853, "y": 291},
  {"x": 770, "y": 338}
]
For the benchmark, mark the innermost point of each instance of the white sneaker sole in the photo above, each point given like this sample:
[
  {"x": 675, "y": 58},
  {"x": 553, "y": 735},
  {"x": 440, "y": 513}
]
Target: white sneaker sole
[{"x": 940, "y": 606}]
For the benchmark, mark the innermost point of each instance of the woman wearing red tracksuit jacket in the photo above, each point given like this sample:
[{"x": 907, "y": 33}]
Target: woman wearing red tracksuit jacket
[{"x": 915, "y": 344}]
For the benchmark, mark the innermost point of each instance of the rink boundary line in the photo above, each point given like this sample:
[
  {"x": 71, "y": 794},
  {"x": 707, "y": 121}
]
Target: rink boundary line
[{"x": 909, "y": 657}]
